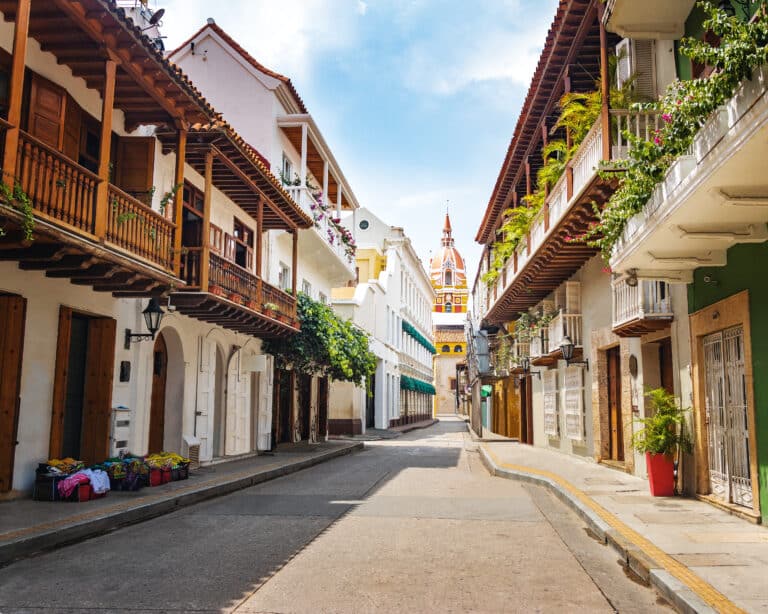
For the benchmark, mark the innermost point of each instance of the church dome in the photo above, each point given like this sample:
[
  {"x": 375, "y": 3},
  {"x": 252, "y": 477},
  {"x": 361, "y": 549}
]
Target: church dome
[{"x": 446, "y": 267}]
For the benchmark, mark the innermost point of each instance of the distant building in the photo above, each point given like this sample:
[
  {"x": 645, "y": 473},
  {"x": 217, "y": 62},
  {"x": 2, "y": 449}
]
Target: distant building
[{"x": 449, "y": 280}]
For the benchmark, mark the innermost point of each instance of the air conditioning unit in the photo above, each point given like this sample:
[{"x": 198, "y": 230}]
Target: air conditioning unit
[{"x": 636, "y": 62}]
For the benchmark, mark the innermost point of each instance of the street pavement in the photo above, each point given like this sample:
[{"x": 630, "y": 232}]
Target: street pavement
[{"x": 413, "y": 524}]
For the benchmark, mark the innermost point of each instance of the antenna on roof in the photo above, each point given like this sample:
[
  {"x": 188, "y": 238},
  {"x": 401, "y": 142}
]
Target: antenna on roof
[{"x": 210, "y": 21}]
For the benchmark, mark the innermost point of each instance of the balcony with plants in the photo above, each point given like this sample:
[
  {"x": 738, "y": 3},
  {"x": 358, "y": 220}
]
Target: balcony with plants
[{"x": 696, "y": 187}]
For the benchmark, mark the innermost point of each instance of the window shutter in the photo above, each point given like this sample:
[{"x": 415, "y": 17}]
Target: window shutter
[
  {"x": 46, "y": 112},
  {"x": 573, "y": 297},
  {"x": 551, "y": 418},
  {"x": 72, "y": 125},
  {"x": 134, "y": 166},
  {"x": 229, "y": 247},
  {"x": 573, "y": 400},
  {"x": 215, "y": 239},
  {"x": 644, "y": 59}
]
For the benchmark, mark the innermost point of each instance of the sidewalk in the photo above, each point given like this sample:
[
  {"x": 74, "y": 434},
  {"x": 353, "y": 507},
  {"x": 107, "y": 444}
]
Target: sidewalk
[
  {"x": 28, "y": 526},
  {"x": 392, "y": 432},
  {"x": 702, "y": 559}
]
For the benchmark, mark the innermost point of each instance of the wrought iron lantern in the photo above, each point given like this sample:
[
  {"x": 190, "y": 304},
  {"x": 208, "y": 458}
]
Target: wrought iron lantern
[
  {"x": 153, "y": 315},
  {"x": 567, "y": 347}
]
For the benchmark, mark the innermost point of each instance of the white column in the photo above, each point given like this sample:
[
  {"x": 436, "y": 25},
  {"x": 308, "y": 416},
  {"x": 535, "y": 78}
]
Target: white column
[
  {"x": 325, "y": 182},
  {"x": 303, "y": 155},
  {"x": 338, "y": 201}
]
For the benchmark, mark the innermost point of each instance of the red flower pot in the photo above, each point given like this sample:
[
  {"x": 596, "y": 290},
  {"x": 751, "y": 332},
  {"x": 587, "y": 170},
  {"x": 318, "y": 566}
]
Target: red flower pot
[{"x": 661, "y": 474}]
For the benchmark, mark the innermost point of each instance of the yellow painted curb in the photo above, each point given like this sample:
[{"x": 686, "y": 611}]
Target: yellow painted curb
[{"x": 701, "y": 587}]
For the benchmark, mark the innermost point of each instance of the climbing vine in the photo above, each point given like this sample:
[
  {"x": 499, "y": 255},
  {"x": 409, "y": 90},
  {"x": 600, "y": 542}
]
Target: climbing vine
[
  {"x": 326, "y": 345},
  {"x": 684, "y": 109},
  {"x": 17, "y": 198}
]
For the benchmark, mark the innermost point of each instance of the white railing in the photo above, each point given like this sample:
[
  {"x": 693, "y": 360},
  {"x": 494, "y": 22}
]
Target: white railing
[
  {"x": 640, "y": 124},
  {"x": 564, "y": 324},
  {"x": 648, "y": 299},
  {"x": 537, "y": 347},
  {"x": 521, "y": 350},
  {"x": 537, "y": 233},
  {"x": 558, "y": 200},
  {"x": 307, "y": 201},
  {"x": 588, "y": 157}
]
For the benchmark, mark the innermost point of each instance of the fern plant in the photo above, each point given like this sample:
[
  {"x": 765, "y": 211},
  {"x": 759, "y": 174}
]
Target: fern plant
[{"x": 663, "y": 432}]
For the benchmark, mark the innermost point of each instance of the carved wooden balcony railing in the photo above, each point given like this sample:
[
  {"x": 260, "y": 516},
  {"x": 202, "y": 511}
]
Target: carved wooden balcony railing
[
  {"x": 64, "y": 194},
  {"x": 139, "y": 229},
  {"x": 60, "y": 190},
  {"x": 237, "y": 297}
]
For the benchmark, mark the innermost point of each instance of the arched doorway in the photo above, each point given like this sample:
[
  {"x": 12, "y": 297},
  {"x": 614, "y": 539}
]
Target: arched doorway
[
  {"x": 157, "y": 400},
  {"x": 238, "y": 415},
  {"x": 173, "y": 404},
  {"x": 218, "y": 405}
]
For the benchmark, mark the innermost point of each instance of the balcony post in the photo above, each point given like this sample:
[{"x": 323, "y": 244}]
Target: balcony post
[
  {"x": 325, "y": 183},
  {"x": 338, "y": 200},
  {"x": 295, "y": 260},
  {"x": 205, "y": 254},
  {"x": 105, "y": 147},
  {"x": 605, "y": 87},
  {"x": 20, "y": 33},
  {"x": 527, "y": 177},
  {"x": 303, "y": 167},
  {"x": 259, "y": 246},
  {"x": 178, "y": 204}
]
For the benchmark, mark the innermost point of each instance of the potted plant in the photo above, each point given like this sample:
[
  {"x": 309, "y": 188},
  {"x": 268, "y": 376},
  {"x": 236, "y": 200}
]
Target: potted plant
[
  {"x": 661, "y": 436},
  {"x": 270, "y": 309}
]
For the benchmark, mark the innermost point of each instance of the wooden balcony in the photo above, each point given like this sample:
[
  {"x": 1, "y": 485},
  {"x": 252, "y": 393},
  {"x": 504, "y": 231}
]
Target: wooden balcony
[
  {"x": 642, "y": 308},
  {"x": 223, "y": 293},
  {"x": 554, "y": 249},
  {"x": 128, "y": 252}
]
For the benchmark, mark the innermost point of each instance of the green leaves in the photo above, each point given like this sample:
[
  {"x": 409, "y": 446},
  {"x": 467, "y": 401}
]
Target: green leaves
[
  {"x": 684, "y": 108},
  {"x": 326, "y": 345},
  {"x": 664, "y": 431}
]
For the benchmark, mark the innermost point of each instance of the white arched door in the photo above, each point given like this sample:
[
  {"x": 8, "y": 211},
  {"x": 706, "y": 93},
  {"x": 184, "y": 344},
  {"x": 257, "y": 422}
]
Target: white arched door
[
  {"x": 238, "y": 415},
  {"x": 206, "y": 390}
]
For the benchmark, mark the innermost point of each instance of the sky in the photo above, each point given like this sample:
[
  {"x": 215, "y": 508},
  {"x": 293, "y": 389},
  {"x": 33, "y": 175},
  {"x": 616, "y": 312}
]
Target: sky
[{"x": 417, "y": 99}]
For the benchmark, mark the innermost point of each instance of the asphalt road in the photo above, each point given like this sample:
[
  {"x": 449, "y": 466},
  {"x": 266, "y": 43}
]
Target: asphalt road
[{"x": 413, "y": 524}]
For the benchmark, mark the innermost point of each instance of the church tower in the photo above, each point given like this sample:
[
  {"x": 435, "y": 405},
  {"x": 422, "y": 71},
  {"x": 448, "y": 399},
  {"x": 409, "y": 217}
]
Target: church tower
[{"x": 449, "y": 279}]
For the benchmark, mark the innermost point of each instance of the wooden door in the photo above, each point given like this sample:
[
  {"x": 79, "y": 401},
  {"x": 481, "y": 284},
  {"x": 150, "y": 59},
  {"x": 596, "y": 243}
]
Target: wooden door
[
  {"x": 206, "y": 391},
  {"x": 322, "y": 408},
  {"x": 97, "y": 406},
  {"x": 46, "y": 112},
  {"x": 615, "y": 427},
  {"x": 157, "y": 403},
  {"x": 305, "y": 401},
  {"x": 135, "y": 166},
  {"x": 12, "y": 320},
  {"x": 238, "y": 427},
  {"x": 665, "y": 365}
]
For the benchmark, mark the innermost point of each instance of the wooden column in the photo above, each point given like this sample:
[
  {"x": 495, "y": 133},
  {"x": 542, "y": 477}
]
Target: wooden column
[
  {"x": 259, "y": 245},
  {"x": 605, "y": 88},
  {"x": 527, "y": 177},
  {"x": 295, "y": 259},
  {"x": 338, "y": 199},
  {"x": 20, "y": 33},
  {"x": 205, "y": 254},
  {"x": 105, "y": 147},
  {"x": 325, "y": 183},
  {"x": 303, "y": 167},
  {"x": 178, "y": 204}
]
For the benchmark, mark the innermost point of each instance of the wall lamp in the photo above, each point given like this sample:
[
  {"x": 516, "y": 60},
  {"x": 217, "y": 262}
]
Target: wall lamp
[
  {"x": 153, "y": 314},
  {"x": 631, "y": 278},
  {"x": 525, "y": 363},
  {"x": 566, "y": 347}
]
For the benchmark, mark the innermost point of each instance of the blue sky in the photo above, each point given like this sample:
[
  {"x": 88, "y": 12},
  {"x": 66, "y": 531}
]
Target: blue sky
[{"x": 417, "y": 98}]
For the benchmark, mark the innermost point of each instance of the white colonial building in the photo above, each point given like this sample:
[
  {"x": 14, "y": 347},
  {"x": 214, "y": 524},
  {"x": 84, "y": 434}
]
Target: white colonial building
[{"x": 389, "y": 299}]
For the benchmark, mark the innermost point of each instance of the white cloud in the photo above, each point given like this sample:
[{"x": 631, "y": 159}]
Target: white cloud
[
  {"x": 362, "y": 7},
  {"x": 500, "y": 45}
]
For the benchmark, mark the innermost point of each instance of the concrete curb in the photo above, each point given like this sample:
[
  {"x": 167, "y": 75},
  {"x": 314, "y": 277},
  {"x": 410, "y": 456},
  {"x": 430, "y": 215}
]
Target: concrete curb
[
  {"x": 677, "y": 593},
  {"x": 30, "y": 545},
  {"x": 407, "y": 428}
]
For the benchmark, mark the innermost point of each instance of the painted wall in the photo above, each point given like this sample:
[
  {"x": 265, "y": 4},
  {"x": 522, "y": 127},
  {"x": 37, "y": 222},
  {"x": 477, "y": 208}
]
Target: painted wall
[{"x": 744, "y": 271}]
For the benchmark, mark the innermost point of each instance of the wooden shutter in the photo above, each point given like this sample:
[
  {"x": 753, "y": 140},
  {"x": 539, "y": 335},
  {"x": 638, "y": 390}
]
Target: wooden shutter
[
  {"x": 46, "y": 111},
  {"x": 229, "y": 247},
  {"x": 573, "y": 402},
  {"x": 97, "y": 400},
  {"x": 72, "y": 126},
  {"x": 215, "y": 239},
  {"x": 12, "y": 321},
  {"x": 135, "y": 165},
  {"x": 206, "y": 388},
  {"x": 60, "y": 382},
  {"x": 551, "y": 418}
]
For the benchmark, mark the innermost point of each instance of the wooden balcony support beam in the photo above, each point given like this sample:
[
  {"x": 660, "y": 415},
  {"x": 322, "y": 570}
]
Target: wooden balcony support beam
[
  {"x": 102, "y": 189},
  {"x": 178, "y": 205},
  {"x": 16, "y": 87},
  {"x": 205, "y": 260},
  {"x": 294, "y": 261}
]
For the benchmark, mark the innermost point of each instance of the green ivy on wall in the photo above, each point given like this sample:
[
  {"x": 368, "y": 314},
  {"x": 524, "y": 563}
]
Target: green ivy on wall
[
  {"x": 684, "y": 109},
  {"x": 325, "y": 346}
]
